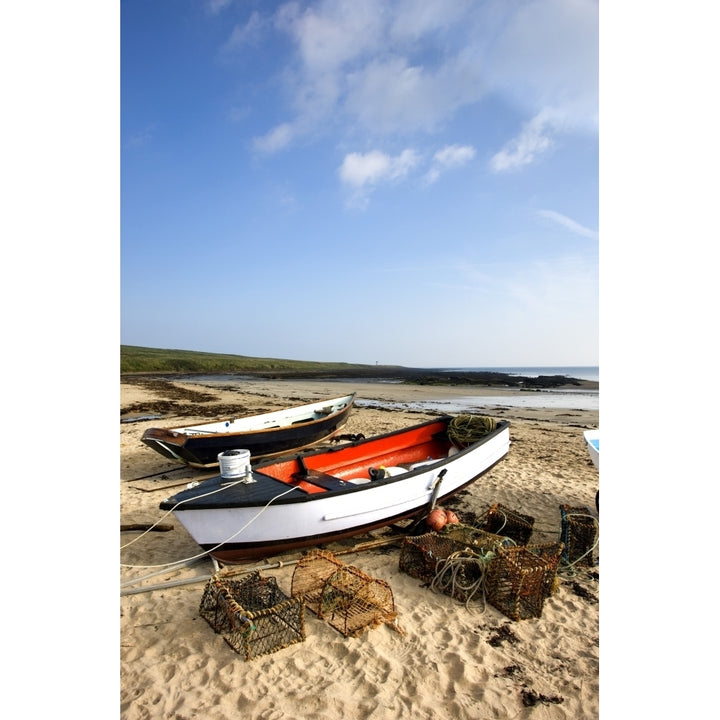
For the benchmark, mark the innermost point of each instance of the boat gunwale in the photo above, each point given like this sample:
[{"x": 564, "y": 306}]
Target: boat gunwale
[
  {"x": 303, "y": 496},
  {"x": 181, "y": 433}
]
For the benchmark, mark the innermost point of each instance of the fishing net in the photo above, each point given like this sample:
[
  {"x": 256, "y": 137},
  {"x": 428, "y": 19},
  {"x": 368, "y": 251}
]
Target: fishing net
[
  {"x": 579, "y": 532},
  {"x": 501, "y": 520},
  {"x": 253, "y": 615},
  {"x": 464, "y": 430},
  {"x": 521, "y": 578},
  {"x": 343, "y": 595}
]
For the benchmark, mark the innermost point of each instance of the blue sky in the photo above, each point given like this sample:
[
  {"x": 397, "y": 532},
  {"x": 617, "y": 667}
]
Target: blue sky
[{"x": 410, "y": 183}]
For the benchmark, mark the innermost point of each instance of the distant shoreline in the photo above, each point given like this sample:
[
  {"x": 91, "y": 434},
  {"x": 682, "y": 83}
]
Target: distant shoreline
[{"x": 409, "y": 376}]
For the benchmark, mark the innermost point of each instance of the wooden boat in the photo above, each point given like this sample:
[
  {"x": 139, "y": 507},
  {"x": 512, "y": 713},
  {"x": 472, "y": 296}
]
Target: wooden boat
[
  {"x": 326, "y": 495},
  {"x": 592, "y": 439},
  {"x": 267, "y": 435}
]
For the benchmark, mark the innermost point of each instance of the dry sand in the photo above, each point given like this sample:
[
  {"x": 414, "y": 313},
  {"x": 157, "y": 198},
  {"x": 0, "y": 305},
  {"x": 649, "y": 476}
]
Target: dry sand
[{"x": 451, "y": 661}]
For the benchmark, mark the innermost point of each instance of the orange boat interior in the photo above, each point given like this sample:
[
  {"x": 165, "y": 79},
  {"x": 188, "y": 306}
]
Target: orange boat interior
[{"x": 322, "y": 472}]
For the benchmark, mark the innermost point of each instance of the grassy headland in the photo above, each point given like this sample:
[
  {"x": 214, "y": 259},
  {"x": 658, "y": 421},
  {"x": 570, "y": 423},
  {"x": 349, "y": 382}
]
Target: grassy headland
[{"x": 141, "y": 361}]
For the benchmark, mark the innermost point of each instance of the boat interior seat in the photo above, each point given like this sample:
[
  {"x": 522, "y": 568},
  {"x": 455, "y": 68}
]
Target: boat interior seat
[{"x": 323, "y": 480}]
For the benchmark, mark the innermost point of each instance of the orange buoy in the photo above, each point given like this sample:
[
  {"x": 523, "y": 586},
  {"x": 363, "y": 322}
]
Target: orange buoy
[
  {"x": 451, "y": 517},
  {"x": 437, "y": 519}
]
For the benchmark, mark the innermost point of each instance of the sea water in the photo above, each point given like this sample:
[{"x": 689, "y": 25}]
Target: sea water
[{"x": 581, "y": 372}]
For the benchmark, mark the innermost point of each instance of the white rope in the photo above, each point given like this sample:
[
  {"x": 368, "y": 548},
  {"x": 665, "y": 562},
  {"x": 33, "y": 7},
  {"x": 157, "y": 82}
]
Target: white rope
[
  {"x": 206, "y": 552},
  {"x": 455, "y": 564},
  {"x": 170, "y": 512}
]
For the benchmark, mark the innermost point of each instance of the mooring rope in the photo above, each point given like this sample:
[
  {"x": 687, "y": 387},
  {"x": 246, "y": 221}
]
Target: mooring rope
[{"x": 220, "y": 544}]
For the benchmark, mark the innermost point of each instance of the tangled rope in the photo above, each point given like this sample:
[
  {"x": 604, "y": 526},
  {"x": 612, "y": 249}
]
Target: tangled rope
[
  {"x": 466, "y": 429},
  {"x": 450, "y": 573}
]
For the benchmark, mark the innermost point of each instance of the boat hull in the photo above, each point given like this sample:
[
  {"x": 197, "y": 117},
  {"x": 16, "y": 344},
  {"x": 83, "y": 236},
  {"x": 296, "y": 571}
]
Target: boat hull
[
  {"x": 278, "y": 512},
  {"x": 592, "y": 439},
  {"x": 276, "y": 433}
]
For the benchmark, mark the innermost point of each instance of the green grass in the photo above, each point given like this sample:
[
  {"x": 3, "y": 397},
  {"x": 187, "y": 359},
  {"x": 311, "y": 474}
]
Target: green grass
[{"x": 135, "y": 359}]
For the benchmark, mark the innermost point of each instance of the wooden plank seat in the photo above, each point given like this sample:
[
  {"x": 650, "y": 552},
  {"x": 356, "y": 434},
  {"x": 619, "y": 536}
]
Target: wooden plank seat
[{"x": 323, "y": 480}]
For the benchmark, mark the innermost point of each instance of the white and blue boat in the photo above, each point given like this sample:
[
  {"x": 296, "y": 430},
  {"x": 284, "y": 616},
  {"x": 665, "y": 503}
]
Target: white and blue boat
[{"x": 592, "y": 438}]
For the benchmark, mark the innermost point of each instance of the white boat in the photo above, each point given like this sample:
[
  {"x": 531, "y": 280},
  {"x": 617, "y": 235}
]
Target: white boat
[
  {"x": 267, "y": 435},
  {"x": 592, "y": 438},
  {"x": 326, "y": 495}
]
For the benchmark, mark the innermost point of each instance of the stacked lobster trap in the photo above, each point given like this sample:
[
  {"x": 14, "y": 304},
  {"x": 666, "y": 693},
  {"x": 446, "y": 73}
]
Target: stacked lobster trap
[
  {"x": 492, "y": 563},
  {"x": 343, "y": 595},
  {"x": 502, "y": 520},
  {"x": 453, "y": 561},
  {"x": 521, "y": 578},
  {"x": 253, "y": 615}
]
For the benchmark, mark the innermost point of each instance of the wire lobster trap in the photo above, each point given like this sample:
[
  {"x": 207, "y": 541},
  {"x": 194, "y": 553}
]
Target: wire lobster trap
[
  {"x": 421, "y": 555},
  {"x": 473, "y": 537},
  {"x": 343, "y": 595},
  {"x": 502, "y": 520},
  {"x": 579, "y": 533},
  {"x": 519, "y": 579},
  {"x": 253, "y": 615},
  {"x": 453, "y": 561}
]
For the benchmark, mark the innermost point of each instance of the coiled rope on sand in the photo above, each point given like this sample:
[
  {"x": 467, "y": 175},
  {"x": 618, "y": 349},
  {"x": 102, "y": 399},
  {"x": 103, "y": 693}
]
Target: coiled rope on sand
[
  {"x": 450, "y": 575},
  {"x": 466, "y": 429}
]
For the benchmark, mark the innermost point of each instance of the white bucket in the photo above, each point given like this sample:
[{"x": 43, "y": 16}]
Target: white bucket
[{"x": 235, "y": 464}]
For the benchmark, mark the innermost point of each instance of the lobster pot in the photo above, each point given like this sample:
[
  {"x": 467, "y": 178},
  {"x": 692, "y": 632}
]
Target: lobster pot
[
  {"x": 253, "y": 615},
  {"x": 520, "y": 579},
  {"x": 501, "y": 520},
  {"x": 344, "y": 596},
  {"x": 475, "y": 538},
  {"x": 422, "y": 556},
  {"x": 579, "y": 531},
  {"x": 453, "y": 561}
]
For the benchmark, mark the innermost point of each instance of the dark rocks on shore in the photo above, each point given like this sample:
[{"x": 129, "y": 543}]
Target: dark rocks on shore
[{"x": 407, "y": 375}]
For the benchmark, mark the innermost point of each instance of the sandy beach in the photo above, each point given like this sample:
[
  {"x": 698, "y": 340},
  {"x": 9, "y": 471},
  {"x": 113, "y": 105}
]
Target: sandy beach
[{"x": 449, "y": 660}]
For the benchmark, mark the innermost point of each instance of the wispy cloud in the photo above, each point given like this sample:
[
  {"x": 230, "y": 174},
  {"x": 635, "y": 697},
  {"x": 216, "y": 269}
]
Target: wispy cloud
[
  {"x": 569, "y": 224},
  {"x": 361, "y": 173},
  {"x": 141, "y": 137},
  {"x": 249, "y": 33},
  {"x": 533, "y": 141},
  {"x": 379, "y": 69},
  {"x": 451, "y": 156},
  {"x": 215, "y": 7},
  {"x": 277, "y": 139}
]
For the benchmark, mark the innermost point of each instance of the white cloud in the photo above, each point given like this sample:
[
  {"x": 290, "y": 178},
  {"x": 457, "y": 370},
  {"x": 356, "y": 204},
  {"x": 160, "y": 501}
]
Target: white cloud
[
  {"x": 534, "y": 140},
  {"x": 329, "y": 35},
  {"x": 374, "y": 69},
  {"x": 362, "y": 172},
  {"x": 389, "y": 95},
  {"x": 215, "y": 7},
  {"x": 547, "y": 56},
  {"x": 451, "y": 156},
  {"x": 571, "y": 225},
  {"x": 248, "y": 34},
  {"x": 277, "y": 139}
]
